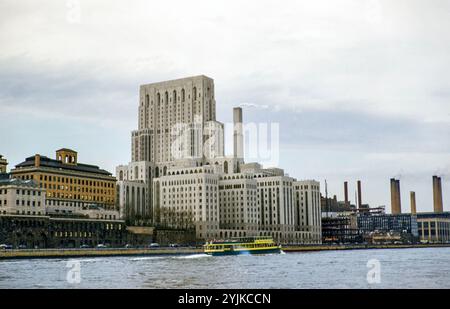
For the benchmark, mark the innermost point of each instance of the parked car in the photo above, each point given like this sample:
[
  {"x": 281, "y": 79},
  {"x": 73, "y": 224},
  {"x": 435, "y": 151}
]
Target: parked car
[
  {"x": 101, "y": 246},
  {"x": 84, "y": 246},
  {"x": 6, "y": 247},
  {"x": 128, "y": 246},
  {"x": 174, "y": 245},
  {"x": 154, "y": 245}
]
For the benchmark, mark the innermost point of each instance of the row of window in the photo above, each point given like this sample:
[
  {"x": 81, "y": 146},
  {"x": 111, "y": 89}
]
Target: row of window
[
  {"x": 69, "y": 180},
  {"x": 76, "y": 189}
]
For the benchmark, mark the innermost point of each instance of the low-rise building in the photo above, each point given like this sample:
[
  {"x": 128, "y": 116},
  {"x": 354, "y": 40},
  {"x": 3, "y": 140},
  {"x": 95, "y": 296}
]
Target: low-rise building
[
  {"x": 40, "y": 231},
  {"x": 404, "y": 224},
  {"x": 434, "y": 227},
  {"x": 23, "y": 197},
  {"x": 72, "y": 188}
]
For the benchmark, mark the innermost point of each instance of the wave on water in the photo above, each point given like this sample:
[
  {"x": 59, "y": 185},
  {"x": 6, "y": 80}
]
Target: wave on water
[
  {"x": 193, "y": 256},
  {"x": 143, "y": 258}
]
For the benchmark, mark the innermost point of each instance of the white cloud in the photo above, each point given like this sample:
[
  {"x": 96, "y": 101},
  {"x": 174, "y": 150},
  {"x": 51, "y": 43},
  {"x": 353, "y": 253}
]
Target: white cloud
[
  {"x": 381, "y": 57},
  {"x": 385, "y": 60}
]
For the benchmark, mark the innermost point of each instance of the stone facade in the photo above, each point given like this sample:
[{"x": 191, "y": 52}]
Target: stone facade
[
  {"x": 23, "y": 197},
  {"x": 178, "y": 159},
  {"x": 3, "y": 164},
  {"x": 52, "y": 232},
  {"x": 72, "y": 188}
]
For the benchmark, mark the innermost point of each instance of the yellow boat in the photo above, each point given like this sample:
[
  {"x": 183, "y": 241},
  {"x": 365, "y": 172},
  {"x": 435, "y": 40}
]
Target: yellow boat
[{"x": 242, "y": 245}]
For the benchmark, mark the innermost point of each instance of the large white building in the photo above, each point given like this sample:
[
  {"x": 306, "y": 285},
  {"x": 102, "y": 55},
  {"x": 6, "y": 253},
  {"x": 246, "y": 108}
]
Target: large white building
[{"x": 179, "y": 177}]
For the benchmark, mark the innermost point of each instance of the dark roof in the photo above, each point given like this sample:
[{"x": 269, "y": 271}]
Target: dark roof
[
  {"x": 428, "y": 215},
  {"x": 66, "y": 149},
  {"x": 4, "y": 176},
  {"x": 51, "y": 163}
]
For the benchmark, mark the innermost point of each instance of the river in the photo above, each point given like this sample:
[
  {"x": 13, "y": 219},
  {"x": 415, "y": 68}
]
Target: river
[{"x": 389, "y": 268}]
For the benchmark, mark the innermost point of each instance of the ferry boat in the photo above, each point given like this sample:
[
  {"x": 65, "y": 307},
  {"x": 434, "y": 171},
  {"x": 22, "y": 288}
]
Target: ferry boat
[{"x": 242, "y": 245}]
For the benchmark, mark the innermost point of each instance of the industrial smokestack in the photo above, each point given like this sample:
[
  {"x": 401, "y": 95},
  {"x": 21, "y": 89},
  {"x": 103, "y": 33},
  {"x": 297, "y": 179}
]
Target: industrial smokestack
[
  {"x": 396, "y": 207},
  {"x": 359, "y": 194},
  {"x": 412, "y": 195},
  {"x": 238, "y": 136},
  {"x": 437, "y": 195},
  {"x": 399, "y": 197},
  {"x": 346, "y": 193}
]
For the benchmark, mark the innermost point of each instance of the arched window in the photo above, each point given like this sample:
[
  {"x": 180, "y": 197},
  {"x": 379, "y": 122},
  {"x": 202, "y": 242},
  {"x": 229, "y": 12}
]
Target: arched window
[
  {"x": 136, "y": 172},
  {"x": 225, "y": 167},
  {"x": 166, "y": 97},
  {"x": 174, "y": 96},
  {"x": 183, "y": 94},
  {"x": 158, "y": 98},
  {"x": 165, "y": 170},
  {"x": 194, "y": 93},
  {"x": 121, "y": 175}
]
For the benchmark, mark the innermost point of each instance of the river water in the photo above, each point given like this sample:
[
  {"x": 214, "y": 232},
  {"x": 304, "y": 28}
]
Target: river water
[{"x": 389, "y": 268}]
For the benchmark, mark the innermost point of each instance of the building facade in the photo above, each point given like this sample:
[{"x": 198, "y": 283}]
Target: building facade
[
  {"x": 177, "y": 159},
  {"x": 3, "y": 164},
  {"x": 23, "y": 197},
  {"x": 397, "y": 223},
  {"x": 434, "y": 227},
  {"x": 53, "y": 232},
  {"x": 307, "y": 209},
  {"x": 71, "y": 187}
]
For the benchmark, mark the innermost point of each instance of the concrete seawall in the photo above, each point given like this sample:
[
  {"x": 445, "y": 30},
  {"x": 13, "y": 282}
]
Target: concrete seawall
[
  {"x": 357, "y": 247},
  {"x": 74, "y": 253}
]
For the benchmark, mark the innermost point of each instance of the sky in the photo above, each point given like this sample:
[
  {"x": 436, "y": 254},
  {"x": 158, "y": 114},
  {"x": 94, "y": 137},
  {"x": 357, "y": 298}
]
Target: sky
[{"x": 360, "y": 88}]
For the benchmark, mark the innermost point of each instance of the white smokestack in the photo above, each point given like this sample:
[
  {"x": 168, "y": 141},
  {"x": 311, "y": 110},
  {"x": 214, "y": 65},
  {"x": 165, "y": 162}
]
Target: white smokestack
[{"x": 238, "y": 136}]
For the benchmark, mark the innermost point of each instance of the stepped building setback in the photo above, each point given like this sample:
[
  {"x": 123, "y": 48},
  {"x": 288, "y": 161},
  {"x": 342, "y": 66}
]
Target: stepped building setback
[{"x": 179, "y": 177}]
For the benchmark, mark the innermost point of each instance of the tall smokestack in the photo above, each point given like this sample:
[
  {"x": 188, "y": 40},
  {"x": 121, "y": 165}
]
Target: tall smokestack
[
  {"x": 437, "y": 194},
  {"x": 412, "y": 195},
  {"x": 359, "y": 194},
  {"x": 238, "y": 136},
  {"x": 346, "y": 193},
  {"x": 396, "y": 207}
]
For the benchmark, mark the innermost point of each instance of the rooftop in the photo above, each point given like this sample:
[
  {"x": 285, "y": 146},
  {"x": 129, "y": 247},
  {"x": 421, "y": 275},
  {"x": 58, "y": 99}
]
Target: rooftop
[
  {"x": 66, "y": 149},
  {"x": 51, "y": 163}
]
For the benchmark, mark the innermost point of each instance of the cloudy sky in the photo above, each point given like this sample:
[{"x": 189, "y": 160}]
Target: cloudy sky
[{"x": 361, "y": 88}]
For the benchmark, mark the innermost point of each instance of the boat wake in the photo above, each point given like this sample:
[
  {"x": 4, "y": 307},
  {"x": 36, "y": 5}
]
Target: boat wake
[
  {"x": 192, "y": 256},
  {"x": 144, "y": 258}
]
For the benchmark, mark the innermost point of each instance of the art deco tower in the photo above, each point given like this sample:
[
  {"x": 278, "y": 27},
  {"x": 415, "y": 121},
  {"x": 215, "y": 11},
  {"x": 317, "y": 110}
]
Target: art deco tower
[{"x": 187, "y": 102}]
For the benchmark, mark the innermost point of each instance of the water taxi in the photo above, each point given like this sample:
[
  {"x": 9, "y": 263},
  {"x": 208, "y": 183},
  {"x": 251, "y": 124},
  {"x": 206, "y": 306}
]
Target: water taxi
[{"x": 242, "y": 245}]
